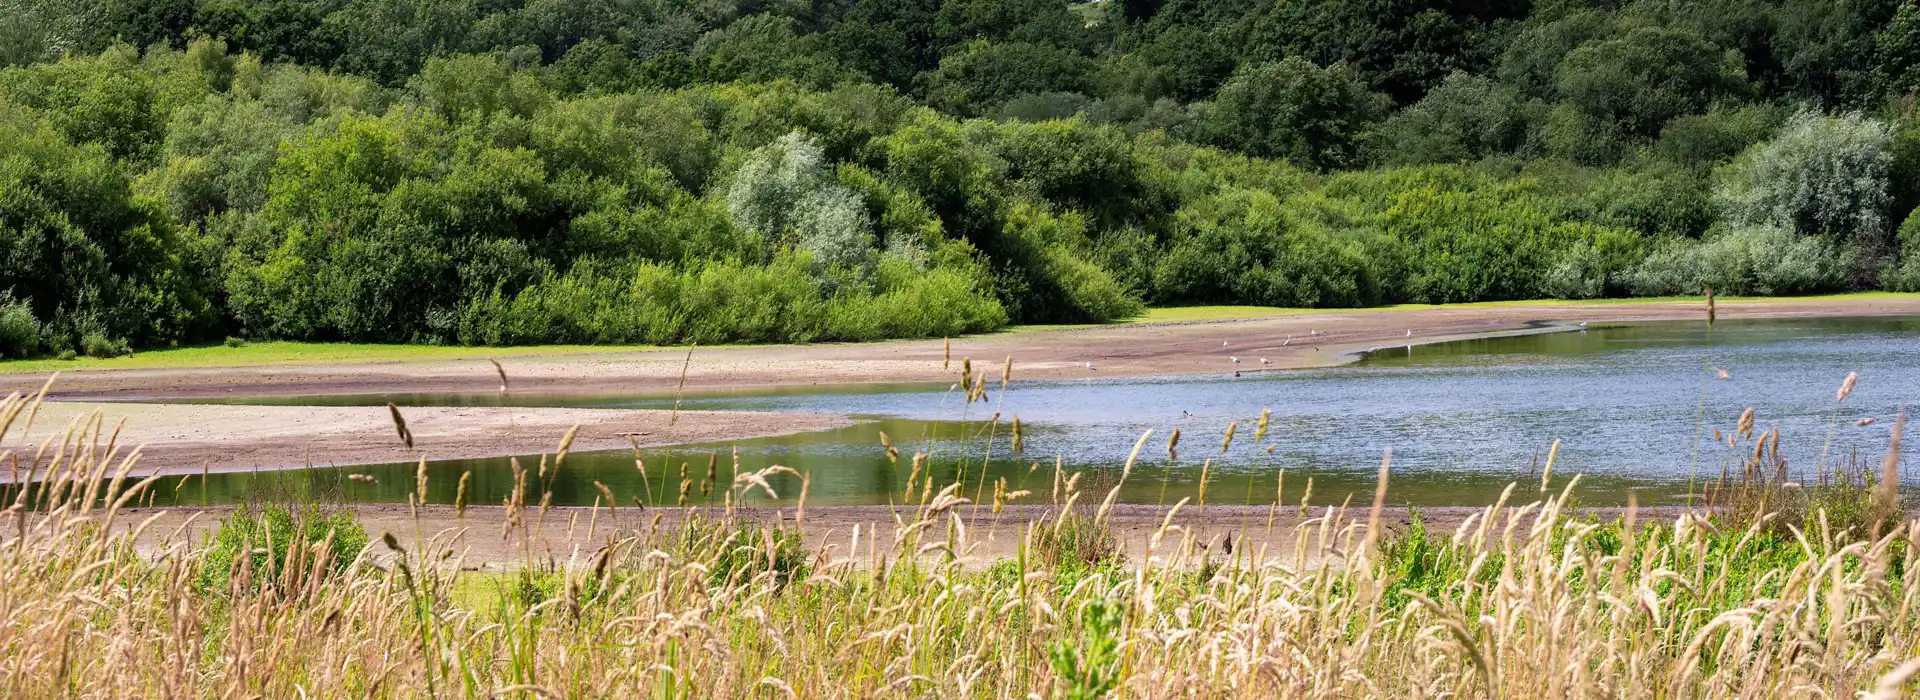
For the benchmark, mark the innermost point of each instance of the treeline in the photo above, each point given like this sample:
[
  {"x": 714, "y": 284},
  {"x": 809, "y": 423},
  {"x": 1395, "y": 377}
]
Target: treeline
[{"x": 614, "y": 171}]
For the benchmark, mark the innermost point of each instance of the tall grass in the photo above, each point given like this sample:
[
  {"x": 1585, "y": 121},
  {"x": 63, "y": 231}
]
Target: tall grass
[{"x": 1521, "y": 600}]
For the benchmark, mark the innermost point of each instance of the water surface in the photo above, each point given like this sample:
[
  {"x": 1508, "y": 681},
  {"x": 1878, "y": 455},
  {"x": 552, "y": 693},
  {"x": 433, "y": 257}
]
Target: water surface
[{"x": 1462, "y": 420}]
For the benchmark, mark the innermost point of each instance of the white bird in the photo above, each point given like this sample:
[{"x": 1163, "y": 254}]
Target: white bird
[
  {"x": 1236, "y": 360},
  {"x": 1409, "y": 332},
  {"x": 1265, "y": 361},
  {"x": 1223, "y": 343},
  {"x": 1089, "y": 366},
  {"x": 1583, "y": 324}
]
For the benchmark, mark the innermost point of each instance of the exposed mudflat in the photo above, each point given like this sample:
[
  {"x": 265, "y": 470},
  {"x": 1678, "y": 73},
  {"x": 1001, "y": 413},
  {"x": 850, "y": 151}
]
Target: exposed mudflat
[
  {"x": 186, "y": 438},
  {"x": 1289, "y": 341}
]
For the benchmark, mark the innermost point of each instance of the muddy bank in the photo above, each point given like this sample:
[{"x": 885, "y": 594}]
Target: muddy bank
[
  {"x": 1286, "y": 341},
  {"x": 186, "y": 438}
]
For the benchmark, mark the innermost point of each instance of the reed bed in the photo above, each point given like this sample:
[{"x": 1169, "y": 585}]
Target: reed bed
[{"x": 1525, "y": 599}]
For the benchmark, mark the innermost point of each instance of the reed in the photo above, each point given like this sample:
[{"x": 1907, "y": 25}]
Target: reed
[{"x": 1519, "y": 601}]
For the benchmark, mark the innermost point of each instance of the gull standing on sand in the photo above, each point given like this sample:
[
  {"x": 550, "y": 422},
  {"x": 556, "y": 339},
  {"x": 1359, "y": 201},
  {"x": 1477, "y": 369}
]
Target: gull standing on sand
[
  {"x": 1265, "y": 361},
  {"x": 1236, "y": 360},
  {"x": 1089, "y": 367}
]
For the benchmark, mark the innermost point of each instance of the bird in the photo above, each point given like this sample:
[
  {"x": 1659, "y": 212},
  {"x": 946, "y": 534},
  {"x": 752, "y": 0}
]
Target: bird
[
  {"x": 1236, "y": 373},
  {"x": 1265, "y": 361},
  {"x": 1236, "y": 360},
  {"x": 1089, "y": 367},
  {"x": 1288, "y": 341},
  {"x": 1409, "y": 332},
  {"x": 1223, "y": 343}
]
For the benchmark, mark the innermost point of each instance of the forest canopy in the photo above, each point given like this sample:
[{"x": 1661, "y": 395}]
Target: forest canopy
[{"x": 664, "y": 171}]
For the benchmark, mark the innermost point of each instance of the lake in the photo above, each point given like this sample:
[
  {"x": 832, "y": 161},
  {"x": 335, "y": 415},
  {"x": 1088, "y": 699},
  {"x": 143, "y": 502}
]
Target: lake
[{"x": 1634, "y": 408}]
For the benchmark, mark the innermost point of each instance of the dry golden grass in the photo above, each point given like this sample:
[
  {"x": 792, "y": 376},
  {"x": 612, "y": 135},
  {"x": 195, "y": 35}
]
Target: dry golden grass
[{"x": 1522, "y": 601}]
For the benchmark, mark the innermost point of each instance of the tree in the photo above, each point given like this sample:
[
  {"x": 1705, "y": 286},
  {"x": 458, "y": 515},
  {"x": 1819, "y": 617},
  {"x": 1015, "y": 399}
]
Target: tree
[
  {"x": 1897, "y": 52},
  {"x": 1821, "y": 176},
  {"x": 1649, "y": 76},
  {"x": 982, "y": 75},
  {"x": 86, "y": 257},
  {"x": 784, "y": 192},
  {"x": 1316, "y": 117},
  {"x": 105, "y": 99},
  {"x": 1401, "y": 48},
  {"x": 1465, "y": 118},
  {"x": 37, "y": 30}
]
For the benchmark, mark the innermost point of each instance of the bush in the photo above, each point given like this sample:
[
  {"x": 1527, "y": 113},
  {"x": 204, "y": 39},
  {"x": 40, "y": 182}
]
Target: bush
[
  {"x": 19, "y": 330},
  {"x": 1821, "y": 176},
  {"x": 1315, "y": 117},
  {"x": 1903, "y": 275},
  {"x": 96, "y": 344},
  {"x": 259, "y": 543},
  {"x": 1744, "y": 261},
  {"x": 1466, "y": 118}
]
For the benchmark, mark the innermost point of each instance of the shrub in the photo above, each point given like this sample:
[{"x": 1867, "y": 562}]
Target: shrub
[
  {"x": 1758, "y": 260},
  {"x": 1316, "y": 117},
  {"x": 1820, "y": 176},
  {"x": 259, "y": 543},
  {"x": 1903, "y": 274},
  {"x": 1466, "y": 118},
  {"x": 19, "y": 330},
  {"x": 95, "y": 343},
  {"x": 784, "y": 192}
]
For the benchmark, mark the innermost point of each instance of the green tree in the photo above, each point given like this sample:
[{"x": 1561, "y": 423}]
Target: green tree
[
  {"x": 981, "y": 75},
  {"x": 1821, "y": 176},
  {"x": 1401, "y": 48},
  {"x": 1644, "y": 79},
  {"x": 1316, "y": 117},
  {"x": 784, "y": 192},
  {"x": 1465, "y": 118},
  {"x": 1897, "y": 52}
]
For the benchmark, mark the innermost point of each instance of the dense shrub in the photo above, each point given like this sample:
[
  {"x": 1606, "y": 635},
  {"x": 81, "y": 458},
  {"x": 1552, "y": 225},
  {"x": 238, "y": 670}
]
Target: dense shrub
[
  {"x": 19, "y": 330},
  {"x": 1820, "y": 176},
  {"x": 260, "y": 542},
  {"x": 1759, "y": 260}
]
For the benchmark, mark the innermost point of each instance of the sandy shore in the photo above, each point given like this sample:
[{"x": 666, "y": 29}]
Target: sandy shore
[
  {"x": 184, "y": 438},
  {"x": 1288, "y": 341},
  {"x": 572, "y": 536}
]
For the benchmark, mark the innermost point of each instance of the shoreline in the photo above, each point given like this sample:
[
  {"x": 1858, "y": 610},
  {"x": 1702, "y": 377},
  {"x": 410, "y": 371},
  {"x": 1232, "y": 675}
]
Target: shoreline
[
  {"x": 187, "y": 438},
  {"x": 180, "y": 439},
  {"x": 1170, "y": 348}
]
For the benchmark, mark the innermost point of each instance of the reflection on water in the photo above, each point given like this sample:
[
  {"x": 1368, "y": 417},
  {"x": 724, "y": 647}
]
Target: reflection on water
[{"x": 1463, "y": 419}]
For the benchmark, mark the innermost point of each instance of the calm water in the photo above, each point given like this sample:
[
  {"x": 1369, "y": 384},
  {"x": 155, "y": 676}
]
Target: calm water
[{"x": 1462, "y": 419}]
